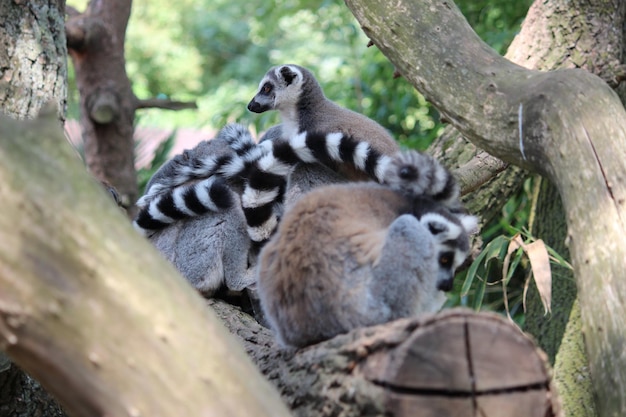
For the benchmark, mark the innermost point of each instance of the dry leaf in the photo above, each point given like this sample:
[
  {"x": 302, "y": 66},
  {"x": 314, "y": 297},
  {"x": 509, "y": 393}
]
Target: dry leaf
[
  {"x": 539, "y": 258},
  {"x": 540, "y": 265}
]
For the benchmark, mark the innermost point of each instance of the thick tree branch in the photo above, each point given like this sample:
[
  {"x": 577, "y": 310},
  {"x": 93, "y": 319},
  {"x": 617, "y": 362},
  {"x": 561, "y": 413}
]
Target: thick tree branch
[
  {"x": 409, "y": 367},
  {"x": 92, "y": 311},
  {"x": 481, "y": 169},
  {"x": 547, "y": 122}
]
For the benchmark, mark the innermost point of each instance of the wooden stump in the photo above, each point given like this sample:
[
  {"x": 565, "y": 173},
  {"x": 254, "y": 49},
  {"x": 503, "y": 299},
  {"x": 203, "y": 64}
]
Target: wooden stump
[
  {"x": 457, "y": 363},
  {"x": 460, "y": 363}
]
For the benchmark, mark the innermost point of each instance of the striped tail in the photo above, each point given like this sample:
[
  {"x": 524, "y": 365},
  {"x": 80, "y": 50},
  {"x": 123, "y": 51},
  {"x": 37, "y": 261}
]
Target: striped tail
[
  {"x": 210, "y": 195},
  {"x": 415, "y": 174},
  {"x": 267, "y": 166},
  {"x": 246, "y": 151}
]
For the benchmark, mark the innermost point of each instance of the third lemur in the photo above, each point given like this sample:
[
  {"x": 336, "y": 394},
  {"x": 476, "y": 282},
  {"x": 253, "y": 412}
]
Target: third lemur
[
  {"x": 352, "y": 255},
  {"x": 298, "y": 96}
]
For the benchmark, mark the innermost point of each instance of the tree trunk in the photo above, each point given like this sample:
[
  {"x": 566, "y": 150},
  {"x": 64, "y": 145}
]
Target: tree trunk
[
  {"x": 558, "y": 35},
  {"x": 22, "y": 396},
  {"x": 107, "y": 103},
  {"x": 555, "y": 35},
  {"x": 544, "y": 122},
  {"x": 33, "y": 71},
  {"x": 33, "y": 67}
]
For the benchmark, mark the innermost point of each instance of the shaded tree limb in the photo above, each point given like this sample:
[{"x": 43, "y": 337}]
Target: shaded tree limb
[
  {"x": 91, "y": 310},
  {"x": 544, "y": 122}
]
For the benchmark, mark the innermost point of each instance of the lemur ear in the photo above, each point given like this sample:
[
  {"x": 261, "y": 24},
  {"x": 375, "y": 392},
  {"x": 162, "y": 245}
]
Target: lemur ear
[
  {"x": 435, "y": 227},
  {"x": 288, "y": 74},
  {"x": 435, "y": 223},
  {"x": 469, "y": 222}
]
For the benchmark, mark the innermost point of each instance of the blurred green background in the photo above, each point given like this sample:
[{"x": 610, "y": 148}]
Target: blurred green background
[{"x": 215, "y": 52}]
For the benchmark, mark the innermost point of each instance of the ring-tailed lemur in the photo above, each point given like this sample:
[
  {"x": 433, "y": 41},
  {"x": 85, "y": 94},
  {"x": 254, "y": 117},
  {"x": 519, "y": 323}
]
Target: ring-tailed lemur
[
  {"x": 352, "y": 255},
  {"x": 267, "y": 176},
  {"x": 210, "y": 251},
  {"x": 297, "y": 95}
]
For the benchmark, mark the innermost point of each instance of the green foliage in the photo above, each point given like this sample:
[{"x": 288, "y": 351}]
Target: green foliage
[
  {"x": 216, "y": 51},
  {"x": 497, "y": 278},
  {"x": 495, "y": 21}
]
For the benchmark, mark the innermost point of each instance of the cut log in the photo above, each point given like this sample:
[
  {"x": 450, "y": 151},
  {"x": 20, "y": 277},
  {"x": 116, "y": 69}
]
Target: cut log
[{"x": 456, "y": 363}]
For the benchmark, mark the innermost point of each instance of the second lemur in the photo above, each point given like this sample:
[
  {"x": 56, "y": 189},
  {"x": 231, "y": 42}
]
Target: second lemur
[{"x": 352, "y": 255}]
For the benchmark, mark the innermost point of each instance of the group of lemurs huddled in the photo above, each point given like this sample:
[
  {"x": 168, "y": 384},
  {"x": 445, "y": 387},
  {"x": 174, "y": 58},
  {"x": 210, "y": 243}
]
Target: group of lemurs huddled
[{"x": 324, "y": 221}]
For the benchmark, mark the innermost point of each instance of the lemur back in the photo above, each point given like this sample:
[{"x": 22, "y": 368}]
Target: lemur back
[
  {"x": 359, "y": 254},
  {"x": 210, "y": 249},
  {"x": 297, "y": 95}
]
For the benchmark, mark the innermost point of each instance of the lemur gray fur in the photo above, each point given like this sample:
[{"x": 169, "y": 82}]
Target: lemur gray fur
[
  {"x": 209, "y": 250},
  {"x": 294, "y": 91},
  {"x": 352, "y": 255}
]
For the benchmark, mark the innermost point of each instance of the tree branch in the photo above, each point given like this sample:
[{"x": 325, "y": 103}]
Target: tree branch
[
  {"x": 92, "y": 311},
  {"x": 409, "y": 367},
  {"x": 481, "y": 169},
  {"x": 165, "y": 104}
]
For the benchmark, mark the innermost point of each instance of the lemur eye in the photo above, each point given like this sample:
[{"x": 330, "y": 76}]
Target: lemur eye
[
  {"x": 266, "y": 89},
  {"x": 445, "y": 259},
  {"x": 408, "y": 172}
]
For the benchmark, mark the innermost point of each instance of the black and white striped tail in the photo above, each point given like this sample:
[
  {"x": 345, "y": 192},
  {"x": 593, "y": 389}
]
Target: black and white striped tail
[
  {"x": 209, "y": 195},
  {"x": 267, "y": 166},
  {"x": 267, "y": 180},
  {"x": 246, "y": 151}
]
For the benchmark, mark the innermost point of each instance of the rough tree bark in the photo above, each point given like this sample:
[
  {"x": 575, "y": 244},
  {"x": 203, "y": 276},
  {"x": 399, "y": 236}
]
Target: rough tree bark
[
  {"x": 33, "y": 67},
  {"x": 33, "y": 71},
  {"x": 572, "y": 34},
  {"x": 555, "y": 34},
  {"x": 95, "y": 40},
  {"x": 407, "y": 368},
  {"x": 544, "y": 122}
]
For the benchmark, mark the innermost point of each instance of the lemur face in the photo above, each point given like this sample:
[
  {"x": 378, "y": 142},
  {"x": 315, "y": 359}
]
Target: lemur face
[
  {"x": 278, "y": 90},
  {"x": 451, "y": 233}
]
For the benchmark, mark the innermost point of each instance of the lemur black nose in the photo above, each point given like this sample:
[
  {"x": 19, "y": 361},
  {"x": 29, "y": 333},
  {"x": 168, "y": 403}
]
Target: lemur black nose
[{"x": 445, "y": 285}]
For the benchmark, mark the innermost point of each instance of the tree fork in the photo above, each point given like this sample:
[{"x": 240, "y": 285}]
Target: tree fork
[{"x": 544, "y": 122}]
